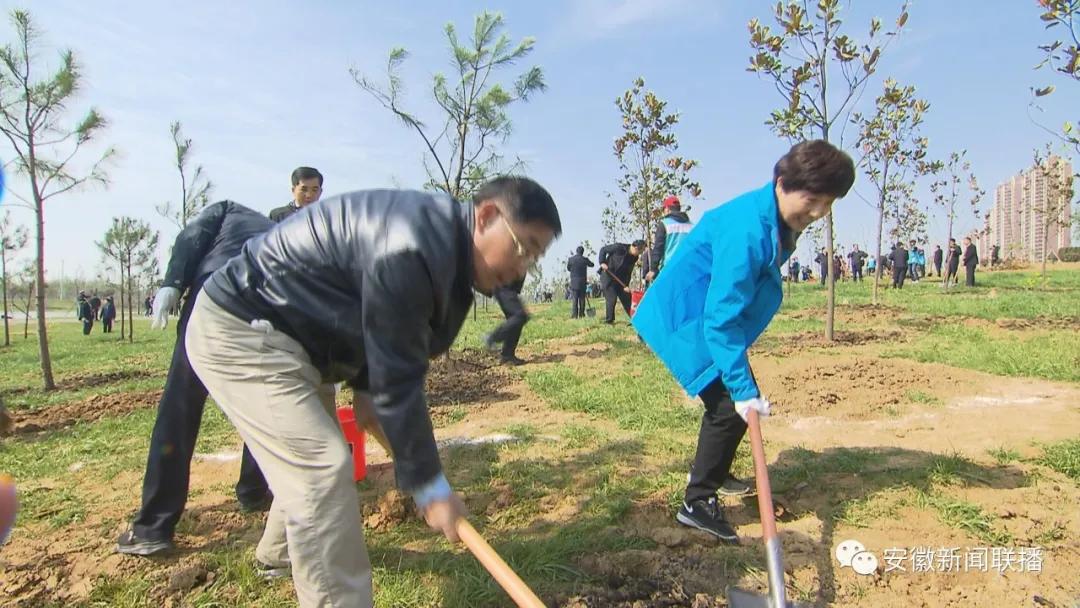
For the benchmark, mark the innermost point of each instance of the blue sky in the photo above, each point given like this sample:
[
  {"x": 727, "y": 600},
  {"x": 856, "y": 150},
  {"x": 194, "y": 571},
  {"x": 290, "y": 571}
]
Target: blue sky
[{"x": 262, "y": 87}]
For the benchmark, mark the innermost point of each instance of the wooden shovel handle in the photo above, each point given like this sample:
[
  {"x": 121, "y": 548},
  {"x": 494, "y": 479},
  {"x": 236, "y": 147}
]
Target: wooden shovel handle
[{"x": 500, "y": 571}]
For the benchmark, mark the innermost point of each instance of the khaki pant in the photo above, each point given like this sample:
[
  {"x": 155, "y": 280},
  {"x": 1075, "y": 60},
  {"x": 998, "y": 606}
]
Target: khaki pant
[{"x": 264, "y": 382}]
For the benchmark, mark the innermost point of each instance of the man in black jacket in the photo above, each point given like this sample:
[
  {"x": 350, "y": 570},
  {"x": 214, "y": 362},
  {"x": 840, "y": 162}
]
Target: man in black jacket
[
  {"x": 307, "y": 185},
  {"x": 937, "y": 260},
  {"x": 578, "y": 265},
  {"x": 855, "y": 259},
  {"x": 508, "y": 333},
  {"x": 95, "y": 306},
  {"x": 899, "y": 259},
  {"x": 952, "y": 262},
  {"x": 822, "y": 260},
  {"x": 202, "y": 247},
  {"x": 86, "y": 313},
  {"x": 971, "y": 260},
  {"x": 365, "y": 288},
  {"x": 108, "y": 314},
  {"x": 617, "y": 262}
]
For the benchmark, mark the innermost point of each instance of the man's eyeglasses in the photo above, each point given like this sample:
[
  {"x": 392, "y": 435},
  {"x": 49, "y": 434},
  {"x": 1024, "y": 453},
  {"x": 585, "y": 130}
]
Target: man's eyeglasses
[{"x": 523, "y": 253}]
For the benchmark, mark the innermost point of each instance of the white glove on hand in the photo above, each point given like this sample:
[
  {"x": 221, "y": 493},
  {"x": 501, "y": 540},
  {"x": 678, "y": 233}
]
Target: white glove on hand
[
  {"x": 164, "y": 301},
  {"x": 760, "y": 404}
]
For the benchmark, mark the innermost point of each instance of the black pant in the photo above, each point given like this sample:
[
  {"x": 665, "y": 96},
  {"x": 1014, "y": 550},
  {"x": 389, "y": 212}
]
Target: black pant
[
  {"x": 856, "y": 273},
  {"x": 509, "y": 332},
  {"x": 172, "y": 444},
  {"x": 87, "y": 325},
  {"x": 937, "y": 269},
  {"x": 898, "y": 274},
  {"x": 577, "y": 302},
  {"x": 106, "y": 326},
  {"x": 951, "y": 275},
  {"x": 721, "y": 431},
  {"x": 614, "y": 292},
  {"x": 970, "y": 278},
  {"x": 824, "y": 275}
]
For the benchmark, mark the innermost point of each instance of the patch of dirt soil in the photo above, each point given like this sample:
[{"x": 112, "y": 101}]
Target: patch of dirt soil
[
  {"x": 788, "y": 344},
  {"x": 391, "y": 509},
  {"x": 647, "y": 579},
  {"x": 81, "y": 381},
  {"x": 1066, "y": 323},
  {"x": 88, "y": 410},
  {"x": 467, "y": 377},
  {"x": 849, "y": 387}
]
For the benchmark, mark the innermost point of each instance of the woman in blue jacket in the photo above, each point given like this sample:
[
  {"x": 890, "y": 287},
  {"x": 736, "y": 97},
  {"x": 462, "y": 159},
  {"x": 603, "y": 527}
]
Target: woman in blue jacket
[{"x": 718, "y": 293}]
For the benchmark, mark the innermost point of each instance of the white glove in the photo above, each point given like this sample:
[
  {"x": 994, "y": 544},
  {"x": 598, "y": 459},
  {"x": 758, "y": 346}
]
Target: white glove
[
  {"x": 164, "y": 301},
  {"x": 760, "y": 404}
]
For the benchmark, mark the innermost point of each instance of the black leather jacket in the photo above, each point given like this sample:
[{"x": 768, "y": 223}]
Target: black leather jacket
[
  {"x": 209, "y": 240},
  {"x": 372, "y": 284},
  {"x": 282, "y": 213}
]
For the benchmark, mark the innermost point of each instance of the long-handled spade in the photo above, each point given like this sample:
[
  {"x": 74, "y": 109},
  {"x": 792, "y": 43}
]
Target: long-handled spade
[
  {"x": 499, "y": 569},
  {"x": 738, "y": 598}
]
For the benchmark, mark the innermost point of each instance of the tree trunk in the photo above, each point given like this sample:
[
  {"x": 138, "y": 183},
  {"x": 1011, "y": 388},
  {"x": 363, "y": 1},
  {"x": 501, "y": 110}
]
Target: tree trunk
[
  {"x": 3, "y": 271},
  {"x": 830, "y": 280},
  {"x": 131, "y": 311},
  {"x": 26, "y": 312},
  {"x": 877, "y": 248},
  {"x": 123, "y": 318},
  {"x": 43, "y": 336},
  {"x": 948, "y": 241}
]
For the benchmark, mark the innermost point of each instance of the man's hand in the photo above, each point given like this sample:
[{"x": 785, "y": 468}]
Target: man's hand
[
  {"x": 649, "y": 276},
  {"x": 626, "y": 289},
  {"x": 164, "y": 301},
  {"x": 760, "y": 404},
  {"x": 442, "y": 515},
  {"x": 603, "y": 266}
]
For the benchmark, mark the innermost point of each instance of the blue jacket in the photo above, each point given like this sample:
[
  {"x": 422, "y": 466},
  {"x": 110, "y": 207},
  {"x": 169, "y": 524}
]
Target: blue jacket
[{"x": 718, "y": 293}]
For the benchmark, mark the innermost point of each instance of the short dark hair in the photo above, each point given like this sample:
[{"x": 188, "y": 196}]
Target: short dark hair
[
  {"x": 638, "y": 244},
  {"x": 524, "y": 199},
  {"x": 580, "y": 250},
  {"x": 302, "y": 173},
  {"x": 817, "y": 167}
]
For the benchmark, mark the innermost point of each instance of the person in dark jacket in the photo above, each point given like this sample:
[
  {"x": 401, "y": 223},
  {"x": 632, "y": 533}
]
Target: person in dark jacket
[
  {"x": 952, "y": 263},
  {"x": 938, "y": 255},
  {"x": 793, "y": 269},
  {"x": 856, "y": 259},
  {"x": 108, "y": 314},
  {"x": 508, "y": 333},
  {"x": 715, "y": 299},
  {"x": 95, "y": 305},
  {"x": 148, "y": 306},
  {"x": 307, "y": 186},
  {"x": 617, "y": 262},
  {"x": 578, "y": 265},
  {"x": 971, "y": 260},
  {"x": 822, "y": 260},
  {"x": 202, "y": 247},
  {"x": 364, "y": 287},
  {"x": 899, "y": 259},
  {"x": 670, "y": 231},
  {"x": 85, "y": 313}
]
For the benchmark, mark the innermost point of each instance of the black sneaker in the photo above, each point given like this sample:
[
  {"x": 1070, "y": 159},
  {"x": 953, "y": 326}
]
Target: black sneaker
[
  {"x": 735, "y": 487},
  {"x": 269, "y": 572},
  {"x": 130, "y": 544},
  {"x": 512, "y": 360},
  {"x": 707, "y": 516}
]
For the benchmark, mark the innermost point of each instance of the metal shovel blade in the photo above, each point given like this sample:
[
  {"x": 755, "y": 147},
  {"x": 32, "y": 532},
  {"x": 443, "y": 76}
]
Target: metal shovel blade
[{"x": 740, "y": 598}]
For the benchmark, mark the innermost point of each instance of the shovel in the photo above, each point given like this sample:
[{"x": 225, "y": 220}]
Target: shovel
[
  {"x": 777, "y": 598},
  {"x": 499, "y": 569}
]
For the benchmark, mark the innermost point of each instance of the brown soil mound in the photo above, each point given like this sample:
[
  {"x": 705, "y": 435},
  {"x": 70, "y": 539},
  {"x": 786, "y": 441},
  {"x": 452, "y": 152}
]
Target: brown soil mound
[
  {"x": 466, "y": 377},
  {"x": 81, "y": 381},
  {"x": 391, "y": 509},
  {"x": 788, "y": 344},
  {"x": 88, "y": 410}
]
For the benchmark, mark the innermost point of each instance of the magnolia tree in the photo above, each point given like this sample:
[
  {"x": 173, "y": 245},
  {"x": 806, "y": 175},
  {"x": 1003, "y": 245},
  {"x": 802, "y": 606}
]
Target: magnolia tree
[
  {"x": 1054, "y": 213},
  {"x": 955, "y": 183}
]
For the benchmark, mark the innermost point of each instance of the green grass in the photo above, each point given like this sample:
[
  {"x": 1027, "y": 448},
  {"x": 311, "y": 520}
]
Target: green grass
[
  {"x": 1004, "y": 456},
  {"x": 1050, "y": 355},
  {"x": 965, "y": 516},
  {"x": 1063, "y": 457},
  {"x": 917, "y": 396}
]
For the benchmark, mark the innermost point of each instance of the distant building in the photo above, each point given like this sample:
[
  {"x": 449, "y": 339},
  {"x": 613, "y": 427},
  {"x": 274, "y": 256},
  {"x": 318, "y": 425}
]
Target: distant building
[{"x": 1015, "y": 222}]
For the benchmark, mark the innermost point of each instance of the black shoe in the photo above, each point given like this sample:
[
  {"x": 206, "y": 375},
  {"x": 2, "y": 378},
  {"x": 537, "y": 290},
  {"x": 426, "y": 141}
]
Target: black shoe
[
  {"x": 267, "y": 571},
  {"x": 735, "y": 487},
  {"x": 707, "y": 516},
  {"x": 512, "y": 360},
  {"x": 130, "y": 544},
  {"x": 260, "y": 505}
]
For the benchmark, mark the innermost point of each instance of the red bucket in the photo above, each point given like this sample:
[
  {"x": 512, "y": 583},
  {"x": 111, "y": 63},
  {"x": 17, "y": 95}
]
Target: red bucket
[
  {"x": 355, "y": 437},
  {"x": 635, "y": 299}
]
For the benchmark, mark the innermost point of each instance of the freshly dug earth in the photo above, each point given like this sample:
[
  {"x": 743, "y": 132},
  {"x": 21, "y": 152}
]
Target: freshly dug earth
[{"x": 88, "y": 410}]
